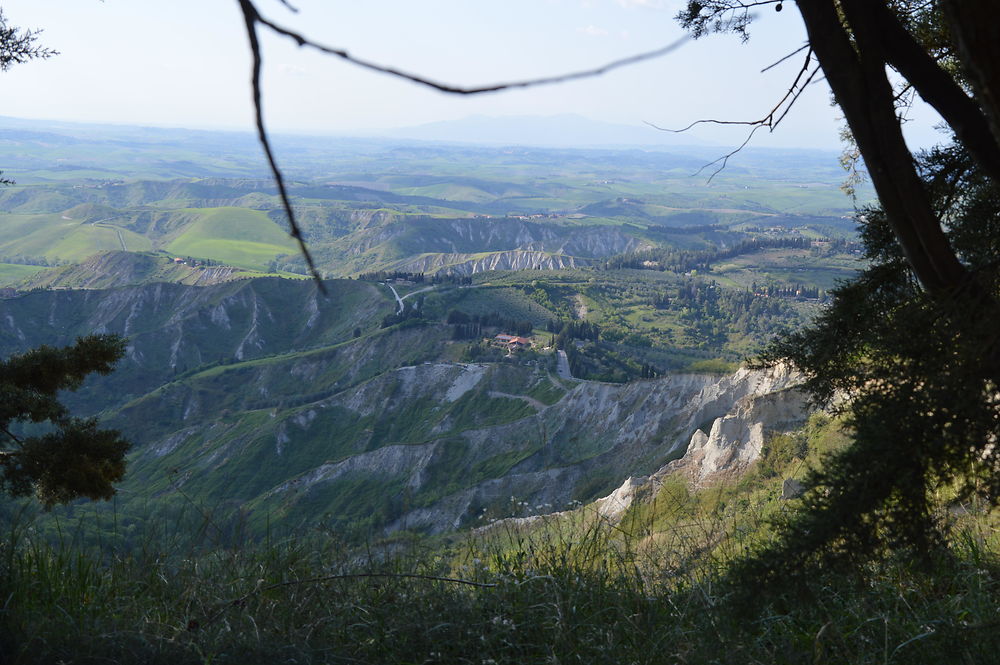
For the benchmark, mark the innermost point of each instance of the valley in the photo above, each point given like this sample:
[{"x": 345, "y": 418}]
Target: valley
[
  {"x": 388, "y": 404},
  {"x": 500, "y": 334}
]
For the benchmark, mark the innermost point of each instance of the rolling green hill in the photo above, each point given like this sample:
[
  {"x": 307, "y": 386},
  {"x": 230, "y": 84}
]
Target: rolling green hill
[
  {"x": 14, "y": 273},
  {"x": 110, "y": 269},
  {"x": 236, "y": 236},
  {"x": 239, "y": 237},
  {"x": 269, "y": 402},
  {"x": 370, "y": 205}
]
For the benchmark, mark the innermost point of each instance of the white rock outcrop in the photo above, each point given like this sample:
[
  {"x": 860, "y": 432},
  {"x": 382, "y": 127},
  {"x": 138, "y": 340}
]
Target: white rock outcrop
[
  {"x": 765, "y": 401},
  {"x": 614, "y": 505},
  {"x": 735, "y": 440}
]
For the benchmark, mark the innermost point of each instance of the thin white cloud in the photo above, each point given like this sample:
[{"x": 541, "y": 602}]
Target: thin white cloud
[
  {"x": 648, "y": 4},
  {"x": 593, "y": 31},
  {"x": 291, "y": 70}
]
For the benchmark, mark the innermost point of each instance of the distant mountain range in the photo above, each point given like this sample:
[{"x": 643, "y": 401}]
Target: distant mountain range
[{"x": 561, "y": 131}]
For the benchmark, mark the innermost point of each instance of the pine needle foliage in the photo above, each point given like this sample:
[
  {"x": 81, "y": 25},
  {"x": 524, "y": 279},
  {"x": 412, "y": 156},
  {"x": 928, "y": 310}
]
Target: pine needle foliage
[
  {"x": 915, "y": 375},
  {"x": 72, "y": 457}
]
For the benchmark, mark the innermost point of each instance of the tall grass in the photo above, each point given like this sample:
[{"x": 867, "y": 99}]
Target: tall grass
[
  {"x": 651, "y": 584},
  {"x": 573, "y": 588}
]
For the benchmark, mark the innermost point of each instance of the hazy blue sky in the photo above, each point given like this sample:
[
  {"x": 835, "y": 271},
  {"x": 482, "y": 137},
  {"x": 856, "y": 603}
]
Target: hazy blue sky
[{"x": 185, "y": 63}]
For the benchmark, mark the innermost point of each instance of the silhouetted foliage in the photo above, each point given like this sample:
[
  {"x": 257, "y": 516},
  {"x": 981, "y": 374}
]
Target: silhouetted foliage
[
  {"x": 18, "y": 45},
  {"x": 909, "y": 352},
  {"x": 73, "y": 458},
  {"x": 915, "y": 376}
]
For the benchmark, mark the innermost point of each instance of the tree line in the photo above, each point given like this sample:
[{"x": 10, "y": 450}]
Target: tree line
[
  {"x": 415, "y": 277},
  {"x": 670, "y": 259},
  {"x": 470, "y": 326}
]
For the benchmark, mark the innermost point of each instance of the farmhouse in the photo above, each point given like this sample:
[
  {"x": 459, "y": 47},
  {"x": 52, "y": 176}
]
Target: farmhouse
[{"x": 512, "y": 342}]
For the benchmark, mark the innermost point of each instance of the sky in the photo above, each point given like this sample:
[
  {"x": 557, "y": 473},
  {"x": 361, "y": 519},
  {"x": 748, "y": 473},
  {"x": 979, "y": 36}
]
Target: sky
[{"x": 186, "y": 63}]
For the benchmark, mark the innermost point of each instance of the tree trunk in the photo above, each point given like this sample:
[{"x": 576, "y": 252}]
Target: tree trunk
[
  {"x": 856, "y": 74},
  {"x": 975, "y": 26}
]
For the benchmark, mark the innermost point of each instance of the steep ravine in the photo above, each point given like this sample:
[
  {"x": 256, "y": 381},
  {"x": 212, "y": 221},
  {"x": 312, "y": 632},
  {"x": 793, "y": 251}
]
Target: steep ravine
[
  {"x": 430, "y": 447},
  {"x": 468, "y": 246},
  {"x": 260, "y": 401},
  {"x": 632, "y": 429},
  {"x": 470, "y": 264}
]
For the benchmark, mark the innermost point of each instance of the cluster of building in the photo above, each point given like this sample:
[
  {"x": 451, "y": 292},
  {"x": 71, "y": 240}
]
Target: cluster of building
[
  {"x": 512, "y": 342},
  {"x": 185, "y": 262}
]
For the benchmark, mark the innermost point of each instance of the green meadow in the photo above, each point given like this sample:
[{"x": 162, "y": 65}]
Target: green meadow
[{"x": 11, "y": 273}]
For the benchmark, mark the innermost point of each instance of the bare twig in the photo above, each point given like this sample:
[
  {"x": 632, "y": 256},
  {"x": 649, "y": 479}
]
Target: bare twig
[
  {"x": 902, "y": 92},
  {"x": 748, "y": 5},
  {"x": 725, "y": 158},
  {"x": 299, "y": 39},
  {"x": 704, "y": 121},
  {"x": 778, "y": 62},
  {"x": 794, "y": 98},
  {"x": 253, "y": 18},
  {"x": 905, "y": 106},
  {"x": 13, "y": 437},
  {"x": 770, "y": 120}
]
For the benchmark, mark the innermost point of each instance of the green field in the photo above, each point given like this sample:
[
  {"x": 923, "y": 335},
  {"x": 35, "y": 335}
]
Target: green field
[
  {"x": 11, "y": 273},
  {"x": 240, "y": 237},
  {"x": 788, "y": 266},
  {"x": 372, "y": 205},
  {"x": 379, "y": 207}
]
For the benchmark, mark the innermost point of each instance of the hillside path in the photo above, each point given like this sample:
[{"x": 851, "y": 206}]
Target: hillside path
[
  {"x": 121, "y": 238},
  {"x": 398, "y": 299},
  {"x": 525, "y": 398},
  {"x": 563, "y": 365},
  {"x": 413, "y": 293}
]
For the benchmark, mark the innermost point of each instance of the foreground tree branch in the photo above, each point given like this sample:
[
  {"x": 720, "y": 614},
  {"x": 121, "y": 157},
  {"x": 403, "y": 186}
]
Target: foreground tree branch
[
  {"x": 770, "y": 120},
  {"x": 908, "y": 353},
  {"x": 854, "y": 41},
  {"x": 897, "y": 47},
  {"x": 74, "y": 458},
  {"x": 252, "y": 19},
  {"x": 977, "y": 34},
  {"x": 857, "y": 76},
  {"x": 18, "y": 46}
]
